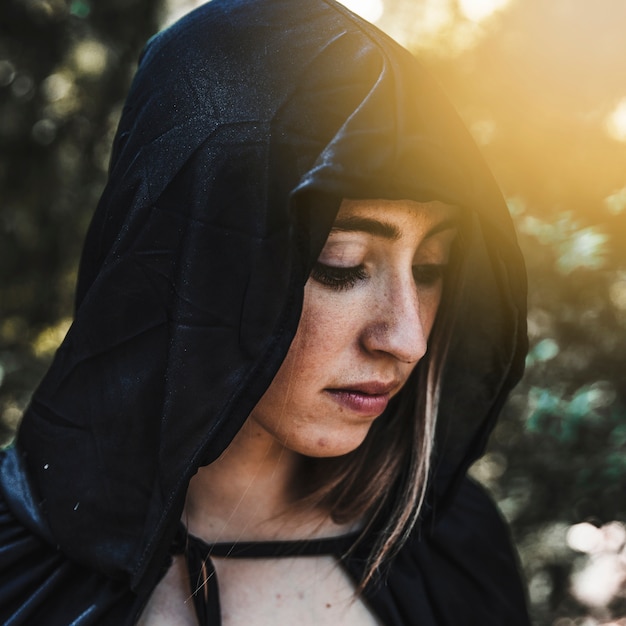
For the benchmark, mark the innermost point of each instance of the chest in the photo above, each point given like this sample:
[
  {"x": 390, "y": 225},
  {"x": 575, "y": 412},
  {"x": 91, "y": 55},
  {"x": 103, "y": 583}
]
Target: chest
[{"x": 309, "y": 591}]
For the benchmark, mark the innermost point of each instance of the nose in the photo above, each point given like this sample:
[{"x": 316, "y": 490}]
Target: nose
[{"x": 396, "y": 323}]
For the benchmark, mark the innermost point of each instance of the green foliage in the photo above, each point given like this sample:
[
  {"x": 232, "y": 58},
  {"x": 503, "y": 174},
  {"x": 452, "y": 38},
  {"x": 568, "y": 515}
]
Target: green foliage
[
  {"x": 64, "y": 72},
  {"x": 575, "y": 246}
]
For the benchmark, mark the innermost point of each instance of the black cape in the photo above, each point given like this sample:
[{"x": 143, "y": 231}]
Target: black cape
[{"x": 247, "y": 123}]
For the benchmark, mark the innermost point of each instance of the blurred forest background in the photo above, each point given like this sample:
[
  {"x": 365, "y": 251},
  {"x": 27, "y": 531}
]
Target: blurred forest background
[{"x": 542, "y": 85}]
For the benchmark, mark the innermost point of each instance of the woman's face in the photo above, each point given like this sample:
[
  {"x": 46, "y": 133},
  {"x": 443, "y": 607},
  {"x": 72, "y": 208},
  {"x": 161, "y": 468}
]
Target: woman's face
[{"x": 369, "y": 306}]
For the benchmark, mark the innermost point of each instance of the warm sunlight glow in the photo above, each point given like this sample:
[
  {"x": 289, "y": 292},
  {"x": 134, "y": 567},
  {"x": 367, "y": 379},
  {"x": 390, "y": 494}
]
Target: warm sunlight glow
[
  {"x": 446, "y": 27},
  {"x": 422, "y": 25},
  {"x": 478, "y": 10},
  {"x": 371, "y": 10},
  {"x": 434, "y": 16},
  {"x": 617, "y": 293},
  {"x": 616, "y": 122}
]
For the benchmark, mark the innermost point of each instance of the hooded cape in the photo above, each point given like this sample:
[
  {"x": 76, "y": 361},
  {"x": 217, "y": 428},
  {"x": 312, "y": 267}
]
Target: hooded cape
[{"x": 247, "y": 123}]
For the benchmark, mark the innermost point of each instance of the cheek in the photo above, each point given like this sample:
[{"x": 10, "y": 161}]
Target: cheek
[
  {"x": 429, "y": 308},
  {"x": 327, "y": 322},
  {"x": 310, "y": 354}
]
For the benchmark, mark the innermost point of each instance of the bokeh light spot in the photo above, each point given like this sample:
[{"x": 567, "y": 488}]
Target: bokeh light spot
[
  {"x": 434, "y": 16},
  {"x": 616, "y": 122},
  {"x": 616, "y": 202},
  {"x": 44, "y": 131},
  {"x": 540, "y": 587},
  {"x": 545, "y": 350},
  {"x": 516, "y": 206},
  {"x": 7, "y": 73},
  {"x": 80, "y": 8},
  {"x": 90, "y": 57},
  {"x": 584, "y": 537},
  {"x": 478, "y": 10},
  {"x": 371, "y": 10},
  {"x": 23, "y": 87},
  {"x": 600, "y": 581},
  {"x": 613, "y": 536},
  {"x": 56, "y": 87},
  {"x": 49, "y": 339},
  {"x": 586, "y": 248},
  {"x": 483, "y": 131},
  {"x": 12, "y": 415},
  {"x": 489, "y": 467},
  {"x": 617, "y": 293}
]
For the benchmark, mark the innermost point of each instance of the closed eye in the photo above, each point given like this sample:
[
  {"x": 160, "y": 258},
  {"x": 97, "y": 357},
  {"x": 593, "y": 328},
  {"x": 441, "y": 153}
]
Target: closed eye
[
  {"x": 429, "y": 274},
  {"x": 338, "y": 278}
]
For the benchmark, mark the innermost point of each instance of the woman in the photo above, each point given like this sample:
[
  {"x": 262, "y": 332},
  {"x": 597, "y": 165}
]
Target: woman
[{"x": 246, "y": 398}]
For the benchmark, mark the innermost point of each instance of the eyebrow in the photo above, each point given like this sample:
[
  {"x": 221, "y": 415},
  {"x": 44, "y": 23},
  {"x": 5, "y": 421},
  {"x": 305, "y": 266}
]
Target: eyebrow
[{"x": 381, "y": 228}]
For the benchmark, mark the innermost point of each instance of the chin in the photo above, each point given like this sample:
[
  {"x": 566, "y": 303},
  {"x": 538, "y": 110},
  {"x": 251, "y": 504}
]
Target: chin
[{"x": 328, "y": 445}]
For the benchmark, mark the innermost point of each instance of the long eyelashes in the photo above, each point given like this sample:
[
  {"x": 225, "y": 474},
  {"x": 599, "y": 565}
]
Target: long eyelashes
[
  {"x": 342, "y": 278},
  {"x": 338, "y": 278}
]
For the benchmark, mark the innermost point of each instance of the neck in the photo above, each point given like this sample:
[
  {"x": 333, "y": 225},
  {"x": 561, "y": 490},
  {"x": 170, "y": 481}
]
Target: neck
[{"x": 249, "y": 494}]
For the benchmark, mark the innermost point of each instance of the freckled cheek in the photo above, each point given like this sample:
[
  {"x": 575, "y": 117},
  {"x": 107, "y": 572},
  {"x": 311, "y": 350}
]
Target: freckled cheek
[{"x": 327, "y": 318}]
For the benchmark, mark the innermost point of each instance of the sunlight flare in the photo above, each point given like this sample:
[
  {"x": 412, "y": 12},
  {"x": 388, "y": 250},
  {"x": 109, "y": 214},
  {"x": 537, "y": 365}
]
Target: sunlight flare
[
  {"x": 616, "y": 121},
  {"x": 371, "y": 10},
  {"x": 479, "y": 10}
]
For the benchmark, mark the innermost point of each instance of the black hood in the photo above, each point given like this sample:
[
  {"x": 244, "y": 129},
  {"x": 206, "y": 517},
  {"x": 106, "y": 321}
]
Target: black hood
[{"x": 246, "y": 124}]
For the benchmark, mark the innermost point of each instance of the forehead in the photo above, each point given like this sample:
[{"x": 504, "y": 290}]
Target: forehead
[{"x": 396, "y": 213}]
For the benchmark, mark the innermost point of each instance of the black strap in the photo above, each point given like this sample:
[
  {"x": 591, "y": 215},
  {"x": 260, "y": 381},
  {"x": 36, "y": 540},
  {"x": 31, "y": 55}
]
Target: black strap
[
  {"x": 202, "y": 575},
  {"x": 277, "y": 549},
  {"x": 204, "y": 589},
  {"x": 202, "y": 578}
]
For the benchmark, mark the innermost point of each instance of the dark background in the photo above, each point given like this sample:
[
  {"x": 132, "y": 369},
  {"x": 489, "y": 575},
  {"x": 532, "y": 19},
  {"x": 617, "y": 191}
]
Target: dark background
[{"x": 542, "y": 85}]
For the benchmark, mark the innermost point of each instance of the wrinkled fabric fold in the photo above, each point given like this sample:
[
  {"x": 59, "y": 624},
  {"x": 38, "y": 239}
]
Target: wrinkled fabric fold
[
  {"x": 247, "y": 123},
  {"x": 38, "y": 584}
]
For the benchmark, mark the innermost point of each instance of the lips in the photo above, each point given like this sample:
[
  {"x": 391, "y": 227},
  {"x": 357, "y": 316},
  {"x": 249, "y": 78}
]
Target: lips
[{"x": 368, "y": 399}]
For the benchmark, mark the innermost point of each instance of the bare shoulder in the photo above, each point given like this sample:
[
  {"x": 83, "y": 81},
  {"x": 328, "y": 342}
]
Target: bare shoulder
[{"x": 170, "y": 603}]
